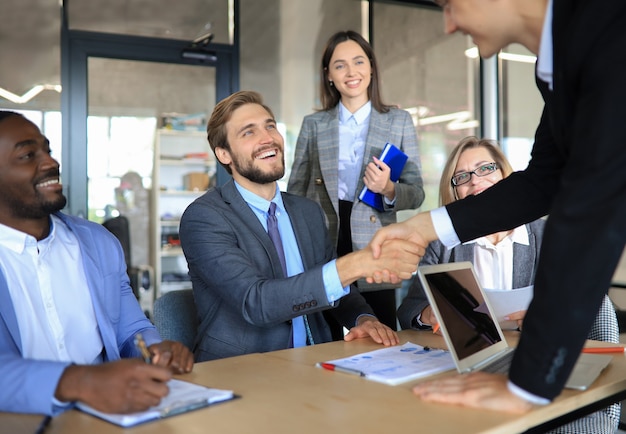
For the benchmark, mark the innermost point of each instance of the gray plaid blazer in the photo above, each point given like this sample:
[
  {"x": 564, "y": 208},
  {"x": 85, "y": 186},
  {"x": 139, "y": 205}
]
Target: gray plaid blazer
[
  {"x": 314, "y": 173},
  {"x": 525, "y": 260}
]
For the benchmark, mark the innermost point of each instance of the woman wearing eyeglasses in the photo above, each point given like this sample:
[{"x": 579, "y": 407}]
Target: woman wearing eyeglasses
[{"x": 504, "y": 260}]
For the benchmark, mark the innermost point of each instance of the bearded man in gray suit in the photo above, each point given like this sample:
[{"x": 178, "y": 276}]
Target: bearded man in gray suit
[{"x": 247, "y": 302}]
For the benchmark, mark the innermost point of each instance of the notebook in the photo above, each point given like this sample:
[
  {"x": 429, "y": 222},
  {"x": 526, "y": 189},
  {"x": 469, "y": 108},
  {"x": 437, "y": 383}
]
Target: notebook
[
  {"x": 182, "y": 398},
  {"x": 393, "y": 157},
  {"x": 468, "y": 324}
]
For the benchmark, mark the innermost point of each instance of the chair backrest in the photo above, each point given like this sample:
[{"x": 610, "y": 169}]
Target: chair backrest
[
  {"x": 119, "y": 227},
  {"x": 175, "y": 316}
]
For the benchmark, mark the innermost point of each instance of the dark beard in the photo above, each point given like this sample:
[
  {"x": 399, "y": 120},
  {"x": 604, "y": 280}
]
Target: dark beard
[
  {"x": 43, "y": 210},
  {"x": 256, "y": 175}
]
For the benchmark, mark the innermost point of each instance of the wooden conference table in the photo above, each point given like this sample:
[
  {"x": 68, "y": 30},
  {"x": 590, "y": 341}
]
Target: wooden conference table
[{"x": 282, "y": 392}]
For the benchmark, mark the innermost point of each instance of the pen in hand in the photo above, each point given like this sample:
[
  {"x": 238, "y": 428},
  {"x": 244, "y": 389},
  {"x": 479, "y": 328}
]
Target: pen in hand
[{"x": 141, "y": 345}]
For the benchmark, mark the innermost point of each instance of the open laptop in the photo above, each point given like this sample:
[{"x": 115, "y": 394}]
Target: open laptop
[{"x": 470, "y": 328}]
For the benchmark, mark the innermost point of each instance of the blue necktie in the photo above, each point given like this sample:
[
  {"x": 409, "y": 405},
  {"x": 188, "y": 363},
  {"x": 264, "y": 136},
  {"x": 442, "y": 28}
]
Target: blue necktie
[{"x": 272, "y": 231}]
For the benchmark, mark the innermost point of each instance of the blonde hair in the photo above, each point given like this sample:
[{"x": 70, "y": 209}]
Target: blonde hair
[{"x": 447, "y": 193}]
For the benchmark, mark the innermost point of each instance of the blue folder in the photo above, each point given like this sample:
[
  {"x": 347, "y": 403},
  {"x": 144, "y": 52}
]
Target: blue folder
[{"x": 393, "y": 157}]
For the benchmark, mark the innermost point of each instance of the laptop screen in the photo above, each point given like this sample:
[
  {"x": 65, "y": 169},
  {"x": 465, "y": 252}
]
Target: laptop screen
[{"x": 462, "y": 310}]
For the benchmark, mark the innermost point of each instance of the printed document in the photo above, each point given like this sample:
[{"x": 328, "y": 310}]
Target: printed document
[{"x": 398, "y": 364}]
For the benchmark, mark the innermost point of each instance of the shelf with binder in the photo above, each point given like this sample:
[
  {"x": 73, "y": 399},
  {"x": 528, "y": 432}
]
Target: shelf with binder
[{"x": 184, "y": 166}]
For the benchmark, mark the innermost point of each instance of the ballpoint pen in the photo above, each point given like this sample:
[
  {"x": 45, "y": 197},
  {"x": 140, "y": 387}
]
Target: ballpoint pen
[
  {"x": 141, "y": 345},
  {"x": 43, "y": 425},
  {"x": 331, "y": 367},
  {"x": 604, "y": 350},
  {"x": 436, "y": 328}
]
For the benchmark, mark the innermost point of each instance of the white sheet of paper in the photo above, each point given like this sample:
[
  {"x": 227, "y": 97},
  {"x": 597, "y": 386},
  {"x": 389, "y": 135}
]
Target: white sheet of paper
[
  {"x": 398, "y": 364},
  {"x": 506, "y": 301}
]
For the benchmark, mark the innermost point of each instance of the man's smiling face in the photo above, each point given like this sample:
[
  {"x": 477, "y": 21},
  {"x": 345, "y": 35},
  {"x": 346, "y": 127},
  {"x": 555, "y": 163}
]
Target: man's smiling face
[{"x": 256, "y": 146}]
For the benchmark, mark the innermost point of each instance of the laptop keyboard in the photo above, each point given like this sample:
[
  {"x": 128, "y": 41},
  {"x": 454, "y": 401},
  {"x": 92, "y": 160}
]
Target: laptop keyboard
[{"x": 500, "y": 365}]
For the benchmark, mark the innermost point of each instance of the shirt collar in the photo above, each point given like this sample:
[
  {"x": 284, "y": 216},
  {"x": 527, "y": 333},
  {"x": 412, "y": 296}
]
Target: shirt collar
[
  {"x": 519, "y": 236},
  {"x": 545, "y": 59},
  {"x": 17, "y": 240},
  {"x": 360, "y": 116},
  {"x": 258, "y": 202}
]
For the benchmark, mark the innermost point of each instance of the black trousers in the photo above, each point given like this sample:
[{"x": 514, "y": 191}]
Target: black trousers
[{"x": 382, "y": 302}]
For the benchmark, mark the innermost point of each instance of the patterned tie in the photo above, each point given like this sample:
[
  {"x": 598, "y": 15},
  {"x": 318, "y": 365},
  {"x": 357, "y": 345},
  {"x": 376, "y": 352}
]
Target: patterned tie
[{"x": 272, "y": 231}]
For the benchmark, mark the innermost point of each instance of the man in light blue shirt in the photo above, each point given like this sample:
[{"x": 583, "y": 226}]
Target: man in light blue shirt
[{"x": 247, "y": 301}]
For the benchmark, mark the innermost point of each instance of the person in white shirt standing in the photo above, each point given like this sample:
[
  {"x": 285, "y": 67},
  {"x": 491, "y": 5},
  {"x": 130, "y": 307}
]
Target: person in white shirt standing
[{"x": 576, "y": 176}]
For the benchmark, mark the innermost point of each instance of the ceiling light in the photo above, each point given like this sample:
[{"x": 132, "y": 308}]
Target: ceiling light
[{"x": 36, "y": 90}]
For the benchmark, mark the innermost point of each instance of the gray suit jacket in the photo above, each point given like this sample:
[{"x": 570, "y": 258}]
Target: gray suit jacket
[
  {"x": 245, "y": 305},
  {"x": 525, "y": 260},
  {"x": 314, "y": 173}
]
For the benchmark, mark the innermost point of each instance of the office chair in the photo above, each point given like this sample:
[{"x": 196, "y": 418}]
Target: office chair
[
  {"x": 141, "y": 276},
  {"x": 175, "y": 316}
]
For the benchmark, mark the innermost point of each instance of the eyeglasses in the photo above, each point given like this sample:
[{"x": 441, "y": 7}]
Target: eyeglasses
[{"x": 464, "y": 177}]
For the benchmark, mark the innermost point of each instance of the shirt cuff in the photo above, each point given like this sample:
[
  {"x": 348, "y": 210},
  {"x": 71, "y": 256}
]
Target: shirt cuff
[
  {"x": 356, "y": 323},
  {"x": 332, "y": 283},
  {"x": 443, "y": 227},
  {"x": 527, "y": 396},
  {"x": 390, "y": 203}
]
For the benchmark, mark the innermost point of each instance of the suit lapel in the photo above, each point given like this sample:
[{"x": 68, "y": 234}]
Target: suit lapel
[
  {"x": 328, "y": 149},
  {"x": 524, "y": 260},
  {"x": 8, "y": 314},
  {"x": 377, "y": 134},
  {"x": 93, "y": 275},
  {"x": 232, "y": 197}
]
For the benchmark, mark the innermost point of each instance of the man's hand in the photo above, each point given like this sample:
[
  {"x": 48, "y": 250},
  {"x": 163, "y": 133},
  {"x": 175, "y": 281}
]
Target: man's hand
[
  {"x": 370, "y": 327},
  {"x": 418, "y": 229},
  {"x": 476, "y": 390},
  {"x": 397, "y": 261},
  {"x": 173, "y": 355},
  {"x": 122, "y": 386}
]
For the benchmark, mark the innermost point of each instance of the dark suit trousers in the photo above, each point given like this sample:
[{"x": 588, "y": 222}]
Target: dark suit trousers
[{"x": 383, "y": 302}]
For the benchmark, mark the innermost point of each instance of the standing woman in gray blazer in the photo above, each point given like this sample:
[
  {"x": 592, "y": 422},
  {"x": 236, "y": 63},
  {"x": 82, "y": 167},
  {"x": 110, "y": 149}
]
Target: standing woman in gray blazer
[{"x": 336, "y": 156}]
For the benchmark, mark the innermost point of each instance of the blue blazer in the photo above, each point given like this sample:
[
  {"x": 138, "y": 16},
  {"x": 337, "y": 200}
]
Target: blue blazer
[
  {"x": 28, "y": 386},
  {"x": 314, "y": 173},
  {"x": 245, "y": 305}
]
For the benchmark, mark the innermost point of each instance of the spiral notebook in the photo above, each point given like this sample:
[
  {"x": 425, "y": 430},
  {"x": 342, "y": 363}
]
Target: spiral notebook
[
  {"x": 393, "y": 157},
  {"x": 183, "y": 397}
]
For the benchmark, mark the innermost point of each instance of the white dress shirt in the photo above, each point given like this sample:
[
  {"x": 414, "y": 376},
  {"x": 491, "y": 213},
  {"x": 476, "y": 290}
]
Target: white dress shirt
[
  {"x": 50, "y": 295},
  {"x": 353, "y": 129}
]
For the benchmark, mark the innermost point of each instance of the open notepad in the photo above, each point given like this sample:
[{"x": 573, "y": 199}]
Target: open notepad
[
  {"x": 395, "y": 365},
  {"x": 183, "y": 397}
]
